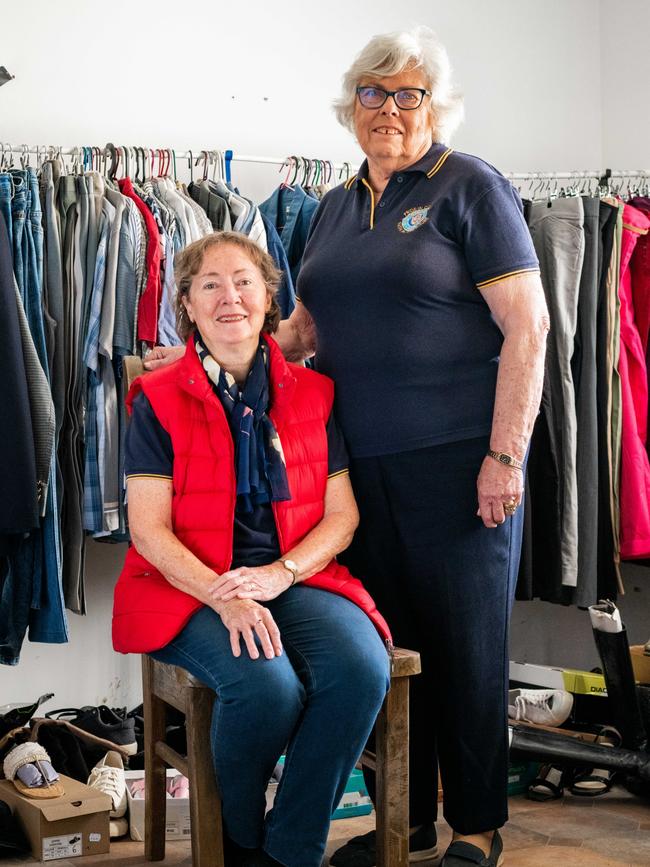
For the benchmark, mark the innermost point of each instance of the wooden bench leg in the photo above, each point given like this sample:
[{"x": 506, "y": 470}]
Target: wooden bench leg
[
  {"x": 392, "y": 777},
  {"x": 155, "y": 802},
  {"x": 205, "y": 803}
]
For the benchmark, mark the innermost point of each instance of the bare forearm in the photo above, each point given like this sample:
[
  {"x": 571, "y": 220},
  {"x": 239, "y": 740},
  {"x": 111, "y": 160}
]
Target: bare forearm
[
  {"x": 519, "y": 390},
  {"x": 331, "y": 536},
  {"x": 180, "y": 567}
]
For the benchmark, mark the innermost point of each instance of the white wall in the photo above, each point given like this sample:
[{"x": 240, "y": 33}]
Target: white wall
[
  {"x": 260, "y": 79},
  {"x": 625, "y": 75}
]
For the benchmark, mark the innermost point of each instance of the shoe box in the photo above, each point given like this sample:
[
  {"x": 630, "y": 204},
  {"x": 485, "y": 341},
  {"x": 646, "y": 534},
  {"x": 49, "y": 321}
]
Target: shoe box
[
  {"x": 640, "y": 663},
  {"x": 177, "y": 824},
  {"x": 70, "y": 826},
  {"x": 590, "y": 704},
  {"x": 354, "y": 802}
]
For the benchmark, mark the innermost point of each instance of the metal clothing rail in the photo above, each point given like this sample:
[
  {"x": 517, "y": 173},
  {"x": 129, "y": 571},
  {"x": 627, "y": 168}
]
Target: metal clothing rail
[
  {"x": 210, "y": 156},
  {"x": 577, "y": 175}
]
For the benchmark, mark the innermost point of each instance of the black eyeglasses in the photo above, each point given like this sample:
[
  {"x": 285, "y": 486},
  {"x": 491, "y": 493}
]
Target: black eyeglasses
[{"x": 407, "y": 98}]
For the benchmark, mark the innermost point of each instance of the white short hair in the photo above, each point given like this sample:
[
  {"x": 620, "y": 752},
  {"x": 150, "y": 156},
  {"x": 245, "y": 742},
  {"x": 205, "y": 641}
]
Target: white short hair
[{"x": 390, "y": 53}]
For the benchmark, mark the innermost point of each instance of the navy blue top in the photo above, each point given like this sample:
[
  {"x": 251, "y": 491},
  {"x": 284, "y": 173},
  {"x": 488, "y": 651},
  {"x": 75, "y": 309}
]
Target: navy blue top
[
  {"x": 394, "y": 292},
  {"x": 149, "y": 452}
]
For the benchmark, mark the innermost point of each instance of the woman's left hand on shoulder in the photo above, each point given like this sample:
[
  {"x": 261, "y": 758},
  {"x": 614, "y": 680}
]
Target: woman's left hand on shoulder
[
  {"x": 252, "y": 582},
  {"x": 497, "y": 485}
]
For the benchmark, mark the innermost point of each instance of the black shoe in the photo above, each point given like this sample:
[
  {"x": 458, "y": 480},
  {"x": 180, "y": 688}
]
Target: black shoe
[
  {"x": 259, "y": 858},
  {"x": 233, "y": 855},
  {"x": 102, "y": 722},
  {"x": 461, "y": 854},
  {"x": 362, "y": 851}
]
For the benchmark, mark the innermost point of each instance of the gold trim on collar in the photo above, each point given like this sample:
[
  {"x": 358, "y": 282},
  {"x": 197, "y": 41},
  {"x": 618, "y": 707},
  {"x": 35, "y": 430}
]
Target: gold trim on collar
[
  {"x": 349, "y": 182},
  {"x": 440, "y": 163},
  {"x": 372, "y": 202}
]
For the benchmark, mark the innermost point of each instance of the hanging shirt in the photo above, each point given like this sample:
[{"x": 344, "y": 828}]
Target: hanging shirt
[
  {"x": 291, "y": 212},
  {"x": 286, "y": 294}
]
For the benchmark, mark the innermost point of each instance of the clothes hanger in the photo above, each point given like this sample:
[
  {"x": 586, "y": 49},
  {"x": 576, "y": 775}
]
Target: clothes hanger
[
  {"x": 110, "y": 153},
  {"x": 290, "y": 163}
]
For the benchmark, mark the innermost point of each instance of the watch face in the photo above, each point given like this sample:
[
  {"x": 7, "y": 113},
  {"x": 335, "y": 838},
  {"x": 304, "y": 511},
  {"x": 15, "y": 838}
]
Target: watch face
[
  {"x": 291, "y": 565},
  {"x": 504, "y": 459}
]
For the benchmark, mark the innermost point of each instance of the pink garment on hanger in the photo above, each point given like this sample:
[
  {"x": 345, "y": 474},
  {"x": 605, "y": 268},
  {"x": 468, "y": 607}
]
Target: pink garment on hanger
[{"x": 635, "y": 466}]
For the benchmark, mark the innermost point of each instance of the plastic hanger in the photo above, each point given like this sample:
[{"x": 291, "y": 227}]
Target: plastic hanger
[{"x": 285, "y": 185}]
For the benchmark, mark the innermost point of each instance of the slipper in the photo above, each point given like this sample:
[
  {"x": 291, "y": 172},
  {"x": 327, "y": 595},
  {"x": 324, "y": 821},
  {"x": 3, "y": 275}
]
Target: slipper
[
  {"x": 28, "y": 766},
  {"x": 548, "y": 786}
]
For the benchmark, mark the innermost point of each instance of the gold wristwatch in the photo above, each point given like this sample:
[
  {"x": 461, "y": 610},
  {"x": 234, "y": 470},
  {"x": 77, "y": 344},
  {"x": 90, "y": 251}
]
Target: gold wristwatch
[
  {"x": 506, "y": 459},
  {"x": 291, "y": 566}
]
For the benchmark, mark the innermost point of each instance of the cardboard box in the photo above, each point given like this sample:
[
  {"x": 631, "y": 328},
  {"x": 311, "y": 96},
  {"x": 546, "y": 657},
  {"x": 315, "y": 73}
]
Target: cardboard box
[
  {"x": 72, "y": 825},
  {"x": 547, "y": 677},
  {"x": 640, "y": 664},
  {"x": 354, "y": 802},
  {"x": 520, "y": 776},
  {"x": 177, "y": 825}
]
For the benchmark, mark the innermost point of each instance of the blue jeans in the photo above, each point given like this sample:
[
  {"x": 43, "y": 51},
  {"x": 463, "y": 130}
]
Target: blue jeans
[
  {"x": 32, "y": 592},
  {"x": 6, "y": 190},
  {"x": 321, "y": 698}
]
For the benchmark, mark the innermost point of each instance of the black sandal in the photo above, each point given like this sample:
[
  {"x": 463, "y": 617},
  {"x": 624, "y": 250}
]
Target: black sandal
[{"x": 549, "y": 785}]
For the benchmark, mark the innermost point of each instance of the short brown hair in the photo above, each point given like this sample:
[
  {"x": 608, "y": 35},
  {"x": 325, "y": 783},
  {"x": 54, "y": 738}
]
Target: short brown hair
[{"x": 188, "y": 263}]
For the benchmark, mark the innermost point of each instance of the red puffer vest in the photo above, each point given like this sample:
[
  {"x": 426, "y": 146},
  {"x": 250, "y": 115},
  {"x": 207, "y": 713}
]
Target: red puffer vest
[{"x": 148, "y": 612}]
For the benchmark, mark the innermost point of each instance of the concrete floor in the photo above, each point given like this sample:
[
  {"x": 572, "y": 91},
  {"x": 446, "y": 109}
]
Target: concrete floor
[{"x": 612, "y": 830}]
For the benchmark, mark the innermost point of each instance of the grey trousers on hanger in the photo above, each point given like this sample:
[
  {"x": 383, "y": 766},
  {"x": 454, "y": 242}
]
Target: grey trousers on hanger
[
  {"x": 584, "y": 374},
  {"x": 557, "y": 231}
]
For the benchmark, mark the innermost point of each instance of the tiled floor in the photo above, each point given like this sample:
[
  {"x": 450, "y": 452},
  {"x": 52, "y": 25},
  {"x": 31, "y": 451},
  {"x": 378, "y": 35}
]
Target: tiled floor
[{"x": 610, "y": 831}]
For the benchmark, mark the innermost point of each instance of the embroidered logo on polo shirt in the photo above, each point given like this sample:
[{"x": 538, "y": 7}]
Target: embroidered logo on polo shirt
[{"x": 413, "y": 219}]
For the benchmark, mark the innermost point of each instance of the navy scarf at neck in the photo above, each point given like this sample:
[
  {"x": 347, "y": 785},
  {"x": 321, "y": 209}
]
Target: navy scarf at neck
[{"x": 260, "y": 467}]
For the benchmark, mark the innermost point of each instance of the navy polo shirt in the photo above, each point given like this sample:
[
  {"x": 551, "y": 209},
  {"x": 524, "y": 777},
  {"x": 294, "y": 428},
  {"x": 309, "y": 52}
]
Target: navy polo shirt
[{"x": 393, "y": 289}]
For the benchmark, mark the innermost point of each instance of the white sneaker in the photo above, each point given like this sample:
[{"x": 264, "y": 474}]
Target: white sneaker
[
  {"x": 118, "y": 827},
  {"x": 549, "y": 707},
  {"x": 108, "y": 777}
]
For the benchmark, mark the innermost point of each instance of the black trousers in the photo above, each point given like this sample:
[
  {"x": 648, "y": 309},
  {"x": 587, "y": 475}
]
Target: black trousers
[{"x": 445, "y": 583}]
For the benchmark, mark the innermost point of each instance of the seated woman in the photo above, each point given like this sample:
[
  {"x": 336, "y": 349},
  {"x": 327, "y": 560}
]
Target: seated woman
[{"x": 239, "y": 501}]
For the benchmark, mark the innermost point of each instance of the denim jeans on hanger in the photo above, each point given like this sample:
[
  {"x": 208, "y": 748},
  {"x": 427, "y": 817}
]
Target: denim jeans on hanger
[
  {"x": 6, "y": 189},
  {"x": 18, "y": 205},
  {"x": 35, "y": 564}
]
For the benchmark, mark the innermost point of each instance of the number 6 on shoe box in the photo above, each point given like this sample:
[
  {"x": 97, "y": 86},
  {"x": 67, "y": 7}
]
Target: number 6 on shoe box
[{"x": 72, "y": 825}]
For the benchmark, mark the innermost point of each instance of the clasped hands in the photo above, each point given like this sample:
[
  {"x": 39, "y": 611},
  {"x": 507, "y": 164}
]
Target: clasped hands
[{"x": 236, "y": 596}]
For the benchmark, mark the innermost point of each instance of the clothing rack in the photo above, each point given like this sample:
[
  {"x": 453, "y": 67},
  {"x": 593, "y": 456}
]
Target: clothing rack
[
  {"x": 208, "y": 157},
  {"x": 224, "y": 158}
]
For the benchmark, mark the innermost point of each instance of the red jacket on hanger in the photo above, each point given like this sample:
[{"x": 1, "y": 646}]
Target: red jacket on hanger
[
  {"x": 148, "y": 612},
  {"x": 635, "y": 467},
  {"x": 150, "y": 299}
]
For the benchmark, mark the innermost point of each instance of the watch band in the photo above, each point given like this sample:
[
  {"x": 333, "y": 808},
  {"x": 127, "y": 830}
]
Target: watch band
[
  {"x": 291, "y": 566},
  {"x": 506, "y": 459}
]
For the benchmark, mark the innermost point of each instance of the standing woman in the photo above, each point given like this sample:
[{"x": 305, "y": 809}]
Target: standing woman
[{"x": 421, "y": 287}]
